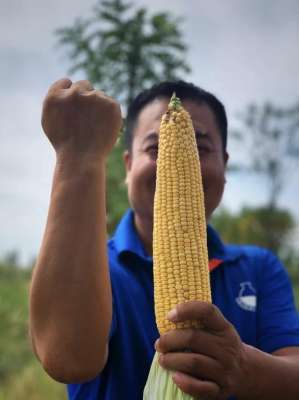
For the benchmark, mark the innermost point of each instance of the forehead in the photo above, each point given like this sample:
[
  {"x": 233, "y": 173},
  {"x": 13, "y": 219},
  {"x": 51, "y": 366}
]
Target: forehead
[{"x": 150, "y": 116}]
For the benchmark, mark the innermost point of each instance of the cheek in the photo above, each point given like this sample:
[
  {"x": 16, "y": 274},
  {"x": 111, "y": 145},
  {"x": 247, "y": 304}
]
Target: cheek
[
  {"x": 213, "y": 184},
  {"x": 141, "y": 178}
]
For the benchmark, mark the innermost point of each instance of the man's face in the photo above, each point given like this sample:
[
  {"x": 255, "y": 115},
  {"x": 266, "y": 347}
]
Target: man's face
[{"x": 141, "y": 162}]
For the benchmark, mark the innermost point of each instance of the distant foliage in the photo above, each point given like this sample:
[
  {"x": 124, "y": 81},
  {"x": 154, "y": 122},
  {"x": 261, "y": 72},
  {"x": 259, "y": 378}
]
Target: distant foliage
[
  {"x": 270, "y": 142},
  {"x": 122, "y": 49},
  {"x": 116, "y": 193},
  {"x": 21, "y": 376},
  {"x": 14, "y": 344},
  {"x": 32, "y": 383},
  {"x": 262, "y": 226}
]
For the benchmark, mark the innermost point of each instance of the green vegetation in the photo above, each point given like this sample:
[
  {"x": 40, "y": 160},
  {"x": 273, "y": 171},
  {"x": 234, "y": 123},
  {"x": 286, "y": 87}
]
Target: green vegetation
[
  {"x": 117, "y": 201},
  {"x": 21, "y": 376},
  {"x": 32, "y": 383},
  {"x": 122, "y": 49},
  {"x": 267, "y": 227}
]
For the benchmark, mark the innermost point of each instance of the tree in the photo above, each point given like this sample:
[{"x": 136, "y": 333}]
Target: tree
[
  {"x": 270, "y": 135},
  {"x": 116, "y": 194},
  {"x": 269, "y": 228},
  {"x": 124, "y": 50}
]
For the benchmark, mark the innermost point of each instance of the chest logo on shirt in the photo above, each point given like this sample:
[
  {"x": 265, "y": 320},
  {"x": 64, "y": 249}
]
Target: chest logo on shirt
[{"x": 247, "y": 297}]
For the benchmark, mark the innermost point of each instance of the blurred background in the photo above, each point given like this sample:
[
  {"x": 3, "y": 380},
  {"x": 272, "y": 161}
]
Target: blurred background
[{"x": 246, "y": 53}]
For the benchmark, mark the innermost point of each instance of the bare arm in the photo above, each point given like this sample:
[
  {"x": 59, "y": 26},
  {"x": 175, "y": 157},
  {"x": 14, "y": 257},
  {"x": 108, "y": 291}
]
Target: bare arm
[
  {"x": 70, "y": 296},
  {"x": 270, "y": 376}
]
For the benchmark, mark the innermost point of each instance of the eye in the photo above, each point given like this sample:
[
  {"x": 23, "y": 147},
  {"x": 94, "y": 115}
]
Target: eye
[
  {"x": 152, "y": 151},
  {"x": 203, "y": 144},
  {"x": 203, "y": 148}
]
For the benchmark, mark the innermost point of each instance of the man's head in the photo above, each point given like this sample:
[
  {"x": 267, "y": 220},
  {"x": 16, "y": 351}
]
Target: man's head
[
  {"x": 142, "y": 134},
  {"x": 183, "y": 90}
]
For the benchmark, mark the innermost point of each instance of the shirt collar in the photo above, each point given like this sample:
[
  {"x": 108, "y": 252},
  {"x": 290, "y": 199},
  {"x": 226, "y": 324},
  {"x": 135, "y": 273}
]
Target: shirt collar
[
  {"x": 127, "y": 241},
  {"x": 129, "y": 246},
  {"x": 218, "y": 250}
]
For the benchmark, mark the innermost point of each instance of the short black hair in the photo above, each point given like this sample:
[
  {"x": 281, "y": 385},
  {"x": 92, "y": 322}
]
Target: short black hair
[{"x": 185, "y": 91}]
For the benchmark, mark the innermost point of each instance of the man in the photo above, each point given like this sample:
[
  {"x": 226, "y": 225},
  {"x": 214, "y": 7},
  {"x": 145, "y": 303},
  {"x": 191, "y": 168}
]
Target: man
[{"x": 95, "y": 329}]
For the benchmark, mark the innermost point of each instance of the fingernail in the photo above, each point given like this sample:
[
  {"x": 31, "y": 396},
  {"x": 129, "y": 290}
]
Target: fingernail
[
  {"x": 176, "y": 376},
  {"x": 172, "y": 315}
]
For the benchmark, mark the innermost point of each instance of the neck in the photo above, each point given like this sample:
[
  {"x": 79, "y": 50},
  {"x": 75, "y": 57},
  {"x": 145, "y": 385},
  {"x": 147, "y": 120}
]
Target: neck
[{"x": 144, "y": 227}]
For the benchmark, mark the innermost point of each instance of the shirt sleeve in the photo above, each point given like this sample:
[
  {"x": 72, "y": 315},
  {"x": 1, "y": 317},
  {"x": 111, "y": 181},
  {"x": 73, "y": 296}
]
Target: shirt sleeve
[{"x": 277, "y": 318}]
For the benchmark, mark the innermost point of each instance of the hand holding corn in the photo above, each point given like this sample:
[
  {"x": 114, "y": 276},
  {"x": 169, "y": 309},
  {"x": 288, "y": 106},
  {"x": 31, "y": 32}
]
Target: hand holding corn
[{"x": 211, "y": 366}]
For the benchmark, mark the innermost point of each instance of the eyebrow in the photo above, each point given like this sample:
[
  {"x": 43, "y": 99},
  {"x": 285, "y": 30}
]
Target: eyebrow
[
  {"x": 199, "y": 134},
  {"x": 150, "y": 137}
]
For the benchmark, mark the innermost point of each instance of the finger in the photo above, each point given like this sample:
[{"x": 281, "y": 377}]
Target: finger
[
  {"x": 196, "y": 387},
  {"x": 63, "y": 83},
  {"x": 206, "y": 313},
  {"x": 82, "y": 86},
  {"x": 196, "y": 365},
  {"x": 195, "y": 340}
]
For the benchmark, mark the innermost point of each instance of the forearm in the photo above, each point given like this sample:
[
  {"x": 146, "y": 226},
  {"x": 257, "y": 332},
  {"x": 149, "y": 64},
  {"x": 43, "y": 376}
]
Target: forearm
[
  {"x": 70, "y": 307},
  {"x": 267, "y": 376}
]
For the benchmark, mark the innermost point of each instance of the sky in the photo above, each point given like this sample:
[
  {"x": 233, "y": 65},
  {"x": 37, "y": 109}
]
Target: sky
[{"x": 242, "y": 51}]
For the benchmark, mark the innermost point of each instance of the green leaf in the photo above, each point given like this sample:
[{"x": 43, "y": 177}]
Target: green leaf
[{"x": 160, "y": 386}]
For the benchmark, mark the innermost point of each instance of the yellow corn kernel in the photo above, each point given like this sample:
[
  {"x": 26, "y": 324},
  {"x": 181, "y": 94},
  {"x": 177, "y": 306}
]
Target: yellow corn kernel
[{"x": 180, "y": 253}]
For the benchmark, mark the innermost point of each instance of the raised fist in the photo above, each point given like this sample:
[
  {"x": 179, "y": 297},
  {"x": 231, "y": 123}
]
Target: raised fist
[{"x": 79, "y": 120}]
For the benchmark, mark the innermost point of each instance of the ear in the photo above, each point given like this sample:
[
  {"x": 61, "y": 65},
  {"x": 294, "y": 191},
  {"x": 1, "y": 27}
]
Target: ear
[
  {"x": 127, "y": 160},
  {"x": 226, "y": 158},
  {"x": 127, "y": 157}
]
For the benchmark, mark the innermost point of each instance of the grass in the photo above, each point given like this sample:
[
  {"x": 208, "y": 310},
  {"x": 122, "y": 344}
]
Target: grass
[
  {"x": 21, "y": 376},
  {"x": 32, "y": 383}
]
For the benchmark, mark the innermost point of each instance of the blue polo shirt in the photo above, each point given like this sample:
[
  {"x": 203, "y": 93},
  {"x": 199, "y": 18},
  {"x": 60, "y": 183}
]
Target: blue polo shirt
[{"x": 249, "y": 285}]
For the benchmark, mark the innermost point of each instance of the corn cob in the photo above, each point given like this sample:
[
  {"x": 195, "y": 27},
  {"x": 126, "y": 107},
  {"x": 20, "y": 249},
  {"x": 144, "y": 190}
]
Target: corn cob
[{"x": 180, "y": 253}]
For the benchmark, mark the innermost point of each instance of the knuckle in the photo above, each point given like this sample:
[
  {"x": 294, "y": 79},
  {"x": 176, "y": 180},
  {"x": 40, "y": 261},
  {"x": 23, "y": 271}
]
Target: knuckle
[
  {"x": 209, "y": 310},
  {"x": 163, "y": 343},
  {"x": 192, "y": 336},
  {"x": 180, "y": 311},
  {"x": 188, "y": 388},
  {"x": 194, "y": 363},
  {"x": 73, "y": 93},
  {"x": 83, "y": 82}
]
